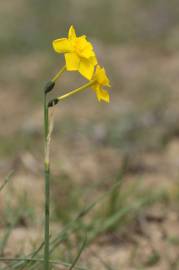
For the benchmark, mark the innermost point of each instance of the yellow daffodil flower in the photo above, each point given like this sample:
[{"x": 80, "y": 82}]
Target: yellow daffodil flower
[
  {"x": 100, "y": 79},
  {"x": 79, "y": 53}
]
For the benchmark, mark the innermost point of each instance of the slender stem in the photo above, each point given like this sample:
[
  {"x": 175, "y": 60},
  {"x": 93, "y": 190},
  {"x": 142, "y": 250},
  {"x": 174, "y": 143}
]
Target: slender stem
[
  {"x": 47, "y": 191},
  {"x": 83, "y": 87},
  {"x": 54, "y": 101},
  {"x": 60, "y": 72},
  {"x": 50, "y": 85}
]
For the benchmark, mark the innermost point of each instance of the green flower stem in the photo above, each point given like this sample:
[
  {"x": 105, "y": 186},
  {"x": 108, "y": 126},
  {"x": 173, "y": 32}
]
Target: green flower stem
[
  {"x": 83, "y": 87},
  {"x": 49, "y": 87},
  {"x": 47, "y": 191},
  {"x": 50, "y": 84},
  {"x": 59, "y": 74}
]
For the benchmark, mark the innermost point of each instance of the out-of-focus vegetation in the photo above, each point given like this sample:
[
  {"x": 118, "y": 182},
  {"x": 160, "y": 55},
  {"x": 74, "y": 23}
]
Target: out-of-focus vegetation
[{"x": 35, "y": 23}]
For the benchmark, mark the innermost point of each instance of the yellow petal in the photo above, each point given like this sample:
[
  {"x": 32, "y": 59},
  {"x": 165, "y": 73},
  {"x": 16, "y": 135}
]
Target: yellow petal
[
  {"x": 86, "y": 69},
  {"x": 72, "y": 61},
  {"x": 101, "y": 77},
  {"x": 84, "y": 47},
  {"x": 103, "y": 95},
  {"x": 71, "y": 33},
  {"x": 93, "y": 60},
  {"x": 62, "y": 45},
  {"x": 100, "y": 93},
  {"x": 80, "y": 43},
  {"x": 87, "y": 53}
]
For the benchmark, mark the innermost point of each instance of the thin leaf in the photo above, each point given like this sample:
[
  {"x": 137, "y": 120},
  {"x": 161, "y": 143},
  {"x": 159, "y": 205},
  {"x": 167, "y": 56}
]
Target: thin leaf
[
  {"x": 83, "y": 245},
  {"x": 6, "y": 180}
]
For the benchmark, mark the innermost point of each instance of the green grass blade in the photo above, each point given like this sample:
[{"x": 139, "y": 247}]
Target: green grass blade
[
  {"x": 83, "y": 245},
  {"x": 6, "y": 180}
]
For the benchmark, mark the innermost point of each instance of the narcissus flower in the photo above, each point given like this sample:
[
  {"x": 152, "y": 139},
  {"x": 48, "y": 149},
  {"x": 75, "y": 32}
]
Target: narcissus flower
[
  {"x": 79, "y": 53},
  {"x": 100, "y": 79}
]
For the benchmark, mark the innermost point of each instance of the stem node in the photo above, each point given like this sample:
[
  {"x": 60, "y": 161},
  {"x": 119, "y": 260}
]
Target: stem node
[
  {"x": 53, "y": 102},
  {"x": 49, "y": 86}
]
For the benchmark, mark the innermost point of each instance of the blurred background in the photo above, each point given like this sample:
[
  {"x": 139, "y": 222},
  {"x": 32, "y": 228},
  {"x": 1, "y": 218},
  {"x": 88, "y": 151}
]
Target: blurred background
[{"x": 132, "y": 143}]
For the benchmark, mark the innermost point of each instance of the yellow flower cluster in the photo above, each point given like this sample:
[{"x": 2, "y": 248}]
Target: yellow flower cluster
[{"x": 80, "y": 56}]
